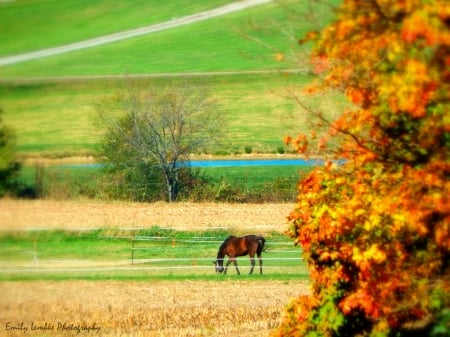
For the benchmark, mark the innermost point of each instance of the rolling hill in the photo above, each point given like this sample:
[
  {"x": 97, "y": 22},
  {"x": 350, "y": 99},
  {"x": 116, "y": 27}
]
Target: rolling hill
[{"x": 242, "y": 58}]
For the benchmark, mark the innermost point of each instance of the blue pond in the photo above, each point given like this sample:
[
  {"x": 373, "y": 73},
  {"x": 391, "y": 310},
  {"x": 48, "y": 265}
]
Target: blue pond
[{"x": 254, "y": 162}]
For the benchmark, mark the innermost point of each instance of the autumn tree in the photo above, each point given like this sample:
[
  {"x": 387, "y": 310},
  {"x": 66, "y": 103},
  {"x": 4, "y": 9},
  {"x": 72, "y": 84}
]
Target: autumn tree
[
  {"x": 151, "y": 133},
  {"x": 375, "y": 229}
]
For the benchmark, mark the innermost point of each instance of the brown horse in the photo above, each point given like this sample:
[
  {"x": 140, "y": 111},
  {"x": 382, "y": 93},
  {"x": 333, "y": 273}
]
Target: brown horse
[{"x": 239, "y": 246}]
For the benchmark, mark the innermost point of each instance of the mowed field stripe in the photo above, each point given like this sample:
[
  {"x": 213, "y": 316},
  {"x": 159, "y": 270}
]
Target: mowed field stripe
[{"x": 186, "y": 20}]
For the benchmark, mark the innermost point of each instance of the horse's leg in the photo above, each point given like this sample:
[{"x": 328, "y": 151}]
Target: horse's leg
[
  {"x": 259, "y": 250},
  {"x": 232, "y": 259},
  {"x": 226, "y": 266},
  {"x": 235, "y": 264},
  {"x": 252, "y": 261}
]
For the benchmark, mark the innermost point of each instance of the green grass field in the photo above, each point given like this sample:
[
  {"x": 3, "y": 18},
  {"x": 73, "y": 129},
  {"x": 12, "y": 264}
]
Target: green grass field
[
  {"x": 216, "y": 44},
  {"x": 255, "y": 177},
  {"x": 60, "y": 118},
  {"x": 57, "y": 118},
  {"x": 31, "y": 25},
  {"x": 155, "y": 253}
]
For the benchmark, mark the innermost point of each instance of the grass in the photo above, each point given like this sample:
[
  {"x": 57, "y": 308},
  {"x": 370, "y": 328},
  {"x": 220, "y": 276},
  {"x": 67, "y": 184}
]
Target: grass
[
  {"x": 255, "y": 177},
  {"x": 60, "y": 118},
  {"x": 82, "y": 19},
  {"x": 217, "y": 44},
  {"x": 157, "y": 254}
]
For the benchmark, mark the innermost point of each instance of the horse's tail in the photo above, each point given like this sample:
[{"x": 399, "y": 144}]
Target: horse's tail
[{"x": 261, "y": 243}]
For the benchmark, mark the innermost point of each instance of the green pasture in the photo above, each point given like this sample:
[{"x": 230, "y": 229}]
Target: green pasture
[
  {"x": 240, "y": 41},
  {"x": 255, "y": 177},
  {"x": 154, "y": 253},
  {"x": 56, "y": 118},
  {"x": 59, "y": 119},
  {"x": 31, "y": 25}
]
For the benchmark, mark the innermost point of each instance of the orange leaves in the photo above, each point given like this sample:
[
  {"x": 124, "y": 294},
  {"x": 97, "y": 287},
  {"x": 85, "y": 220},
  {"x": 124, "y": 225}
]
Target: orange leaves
[
  {"x": 287, "y": 140},
  {"x": 328, "y": 256},
  {"x": 320, "y": 64},
  {"x": 413, "y": 86},
  {"x": 344, "y": 28},
  {"x": 428, "y": 24},
  {"x": 363, "y": 301},
  {"x": 279, "y": 57},
  {"x": 418, "y": 81},
  {"x": 308, "y": 37},
  {"x": 300, "y": 143},
  {"x": 414, "y": 27},
  {"x": 357, "y": 226},
  {"x": 441, "y": 234},
  {"x": 375, "y": 230},
  {"x": 373, "y": 254},
  {"x": 356, "y": 95},
  {"x": 410, "y": 89}
]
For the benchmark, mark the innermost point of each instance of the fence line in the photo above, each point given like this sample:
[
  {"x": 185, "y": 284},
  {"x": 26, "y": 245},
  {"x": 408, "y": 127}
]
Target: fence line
[
  {"x": 86, "y": 229},
  {"x": 212, "y": 239},
  {"x": 174, "y": 240},
  {"x": 135, "y": 239},
  {"x": 209, "y": 259},
  {"x": 106, "y": 269}
]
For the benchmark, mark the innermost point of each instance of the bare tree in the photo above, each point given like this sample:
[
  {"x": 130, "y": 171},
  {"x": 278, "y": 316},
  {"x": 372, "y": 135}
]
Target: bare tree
[{"x": 157, "y": 130}]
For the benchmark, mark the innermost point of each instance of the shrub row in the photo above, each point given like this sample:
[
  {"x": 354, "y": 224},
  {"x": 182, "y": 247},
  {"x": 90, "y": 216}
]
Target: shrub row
[{"x": 61, "y": 184}]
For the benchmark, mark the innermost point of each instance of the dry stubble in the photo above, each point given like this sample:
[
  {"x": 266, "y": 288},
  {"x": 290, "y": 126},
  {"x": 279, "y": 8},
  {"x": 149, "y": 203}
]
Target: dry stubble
[
  {"x": 20, "y": 214},
  {"x": 200, "y": 308}
]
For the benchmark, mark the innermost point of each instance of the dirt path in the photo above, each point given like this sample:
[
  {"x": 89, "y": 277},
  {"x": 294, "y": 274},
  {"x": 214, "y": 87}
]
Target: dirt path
[
  {"x": 262, "y": 218},
  {"x": 233, "y": 7}
]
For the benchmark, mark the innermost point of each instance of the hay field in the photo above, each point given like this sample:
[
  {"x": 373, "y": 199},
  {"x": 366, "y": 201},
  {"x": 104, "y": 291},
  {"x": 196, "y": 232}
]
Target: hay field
[
  {"x": 50, "y": 214},
  {"x": 227, "y": 308}
]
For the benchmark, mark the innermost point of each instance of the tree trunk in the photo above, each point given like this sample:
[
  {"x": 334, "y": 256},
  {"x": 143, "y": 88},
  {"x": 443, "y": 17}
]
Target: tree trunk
[
  {"x": 169, "y": 189},
  {"x": 172, "y": 185}
]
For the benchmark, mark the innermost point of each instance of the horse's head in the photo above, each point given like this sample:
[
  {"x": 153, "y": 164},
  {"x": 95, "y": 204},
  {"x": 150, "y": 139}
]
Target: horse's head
[{"x": 219, "y": 265}]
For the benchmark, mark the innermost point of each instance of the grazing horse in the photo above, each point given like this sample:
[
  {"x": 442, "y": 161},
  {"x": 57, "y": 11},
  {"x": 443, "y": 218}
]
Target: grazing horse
[{"x": 239, "y": 246}]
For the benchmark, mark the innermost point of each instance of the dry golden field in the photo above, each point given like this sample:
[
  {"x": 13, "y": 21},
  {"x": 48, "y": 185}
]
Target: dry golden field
[
  {"x": 242, "y": 306},
  {"x": 135, "y": 308},
  {"x": 20, "y": 214}
]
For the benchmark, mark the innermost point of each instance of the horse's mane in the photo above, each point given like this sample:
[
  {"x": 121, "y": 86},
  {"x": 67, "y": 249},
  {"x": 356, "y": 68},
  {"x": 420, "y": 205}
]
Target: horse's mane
[{"x": 221, "y": 253}]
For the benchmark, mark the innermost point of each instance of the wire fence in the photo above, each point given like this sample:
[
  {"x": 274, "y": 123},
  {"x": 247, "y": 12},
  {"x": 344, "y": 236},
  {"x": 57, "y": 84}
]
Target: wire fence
[
  {"x": 123, "y": 268},
  {"x": 282, "y": 257},
  {"x": 152, "y": 253}
]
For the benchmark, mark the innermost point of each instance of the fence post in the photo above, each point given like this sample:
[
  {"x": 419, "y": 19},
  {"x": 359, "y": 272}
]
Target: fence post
[
  {"x": 132, "y": 248},
  {"x": 35, "y": 254}
]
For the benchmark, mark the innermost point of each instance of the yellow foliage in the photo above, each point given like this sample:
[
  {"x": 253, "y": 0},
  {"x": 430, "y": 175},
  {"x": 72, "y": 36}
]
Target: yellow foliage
[{"x": 375, "y": 231}]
